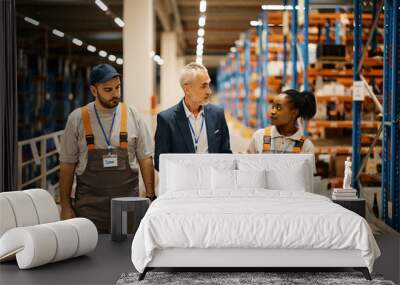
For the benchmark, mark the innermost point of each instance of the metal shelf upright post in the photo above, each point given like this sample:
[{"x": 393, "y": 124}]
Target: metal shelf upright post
[
  {"x": 386, "y": 113},
  {"x": 284, "y": 75},
  {"x": 293, "y": 47},
  {"x": 263, "y": 67},
  {"x": 305, "y": 44},
  {"x": 395, "y": 117},
  {"x": 305, "y": 52},
  {"x": 374, "y": 38},
  {"x": 237, "y": 81},
  {"x": 337, "y": 27},
  {"x": 356, "y": 108},
  {"x": 246, "y": 79}
]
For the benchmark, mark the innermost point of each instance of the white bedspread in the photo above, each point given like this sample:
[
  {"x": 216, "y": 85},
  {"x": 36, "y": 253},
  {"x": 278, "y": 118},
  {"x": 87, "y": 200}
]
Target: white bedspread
[{"x": 250, "y": 219}]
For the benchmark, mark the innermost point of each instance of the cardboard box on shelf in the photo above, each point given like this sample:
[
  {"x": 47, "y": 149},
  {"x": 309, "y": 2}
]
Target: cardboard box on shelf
[{"x": 339, "y": 165}]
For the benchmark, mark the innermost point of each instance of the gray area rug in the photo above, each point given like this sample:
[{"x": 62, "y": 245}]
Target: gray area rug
[{"x": 229, "y": 278}]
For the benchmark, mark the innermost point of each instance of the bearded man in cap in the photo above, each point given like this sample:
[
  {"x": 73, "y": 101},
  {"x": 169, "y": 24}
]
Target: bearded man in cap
[{"x": 101, "y": 145}]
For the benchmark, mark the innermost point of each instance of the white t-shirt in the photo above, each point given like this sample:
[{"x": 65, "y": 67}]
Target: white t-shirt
[
  {"x": 279, "y": 143},
  {"x": 73, "y": 143}
]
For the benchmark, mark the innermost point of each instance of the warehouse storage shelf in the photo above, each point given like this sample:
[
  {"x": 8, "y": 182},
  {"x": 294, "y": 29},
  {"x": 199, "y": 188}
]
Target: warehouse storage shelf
[
  {"x": 342, "y": 124},
  {"x": 342, "y": 150},
  {"x": 247, "y": 88}
]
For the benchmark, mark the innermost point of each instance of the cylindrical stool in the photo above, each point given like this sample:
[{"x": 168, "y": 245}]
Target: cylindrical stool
[{"x": 119, "y": 208}]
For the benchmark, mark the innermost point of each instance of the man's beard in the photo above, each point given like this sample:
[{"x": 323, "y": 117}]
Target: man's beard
[{"x": 109, "y": 104}]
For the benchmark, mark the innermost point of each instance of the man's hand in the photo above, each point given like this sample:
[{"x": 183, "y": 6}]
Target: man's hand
[
  {"x": 147, "y": 170},
  {"x": 67, "y": 213}
]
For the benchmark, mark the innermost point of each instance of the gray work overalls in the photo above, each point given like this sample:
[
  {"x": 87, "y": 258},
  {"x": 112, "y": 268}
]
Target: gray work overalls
[{"x": 99, "y": 184}]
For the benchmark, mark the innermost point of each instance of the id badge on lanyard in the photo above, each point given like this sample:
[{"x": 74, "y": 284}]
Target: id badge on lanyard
[{"x": 110, "y": 160}]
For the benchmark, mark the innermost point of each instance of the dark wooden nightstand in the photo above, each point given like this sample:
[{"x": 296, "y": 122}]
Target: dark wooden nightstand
[{"x": 355, "y": 205}]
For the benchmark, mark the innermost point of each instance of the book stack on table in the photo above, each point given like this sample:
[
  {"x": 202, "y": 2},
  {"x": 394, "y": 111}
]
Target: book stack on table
[{"x": 344, "y": 194}]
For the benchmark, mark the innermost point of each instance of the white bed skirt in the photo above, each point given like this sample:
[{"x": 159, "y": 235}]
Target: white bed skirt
[{"x": 189, "y": 257}]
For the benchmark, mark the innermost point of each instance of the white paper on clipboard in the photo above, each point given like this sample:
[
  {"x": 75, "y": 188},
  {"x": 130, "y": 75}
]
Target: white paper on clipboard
[{"x": 358, "y": 91}]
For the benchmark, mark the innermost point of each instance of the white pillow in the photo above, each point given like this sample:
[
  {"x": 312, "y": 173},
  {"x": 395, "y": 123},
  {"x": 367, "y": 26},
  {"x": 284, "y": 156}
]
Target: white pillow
[
  {"x": 251, "y": 178},
  {"x": 186, "y": 175},
  {"x": 223, "y": 179},
  {"x": 281, "y": 174},
  {"x": 293, "y": 179}
]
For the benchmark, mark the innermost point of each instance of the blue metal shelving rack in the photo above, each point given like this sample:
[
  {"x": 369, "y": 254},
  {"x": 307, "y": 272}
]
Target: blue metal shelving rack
[{"x": 391, "y": 116}]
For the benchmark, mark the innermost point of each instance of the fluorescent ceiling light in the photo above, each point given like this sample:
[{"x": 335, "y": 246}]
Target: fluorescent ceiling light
[
  {"x": 203, "y": 6},
  {"x": 120, "y": 61},
  {"x": 200, "y": 41},
  {"x": 76, "y": 41},
  {"x": 119, "y": 22},
  {"x": 101, "y": 5},
  {"x": 273, "y": 7},
  {"x": 255, "y": 23},
  {"x": 202, "y": 21},
  {"x": 102, "y": 53},
  {"x": 58, "y": 33},
  {"x": 112, "y": 57},
  {"x": 91, "y": 48},
  {"x": 31, "y": 21},
  {"x": 200, "y": 32},
  {"x": 278, "y": 7}
]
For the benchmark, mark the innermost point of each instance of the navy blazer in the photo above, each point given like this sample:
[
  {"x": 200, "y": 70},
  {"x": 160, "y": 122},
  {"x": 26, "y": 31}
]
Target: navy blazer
[{"x": 173, "y": 133}]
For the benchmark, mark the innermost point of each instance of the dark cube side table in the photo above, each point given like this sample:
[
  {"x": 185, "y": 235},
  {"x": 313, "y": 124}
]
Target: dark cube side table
[
  {"x": 355, "y": 205},
  {"x": 120, "y": 207}
]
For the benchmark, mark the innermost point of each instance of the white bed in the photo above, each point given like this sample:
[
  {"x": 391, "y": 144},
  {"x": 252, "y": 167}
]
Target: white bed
[{"x": 203, "y": 219}]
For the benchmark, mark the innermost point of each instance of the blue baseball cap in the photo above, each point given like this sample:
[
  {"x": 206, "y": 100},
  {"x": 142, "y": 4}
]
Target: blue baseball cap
[{"x": 102, "y": 73}]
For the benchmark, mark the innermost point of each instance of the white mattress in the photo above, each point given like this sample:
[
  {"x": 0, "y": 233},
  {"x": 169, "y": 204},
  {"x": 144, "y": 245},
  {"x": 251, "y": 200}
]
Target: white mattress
[{"x": 255, "y": 218}]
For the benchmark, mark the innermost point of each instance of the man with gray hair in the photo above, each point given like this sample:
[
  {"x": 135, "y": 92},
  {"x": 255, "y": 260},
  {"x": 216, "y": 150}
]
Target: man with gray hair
[{"x": 193, "y": 125}]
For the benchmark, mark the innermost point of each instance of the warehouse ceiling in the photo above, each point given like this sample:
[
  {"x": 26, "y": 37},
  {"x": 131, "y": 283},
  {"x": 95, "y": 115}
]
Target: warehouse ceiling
[{"x": 226, "y": 19}]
